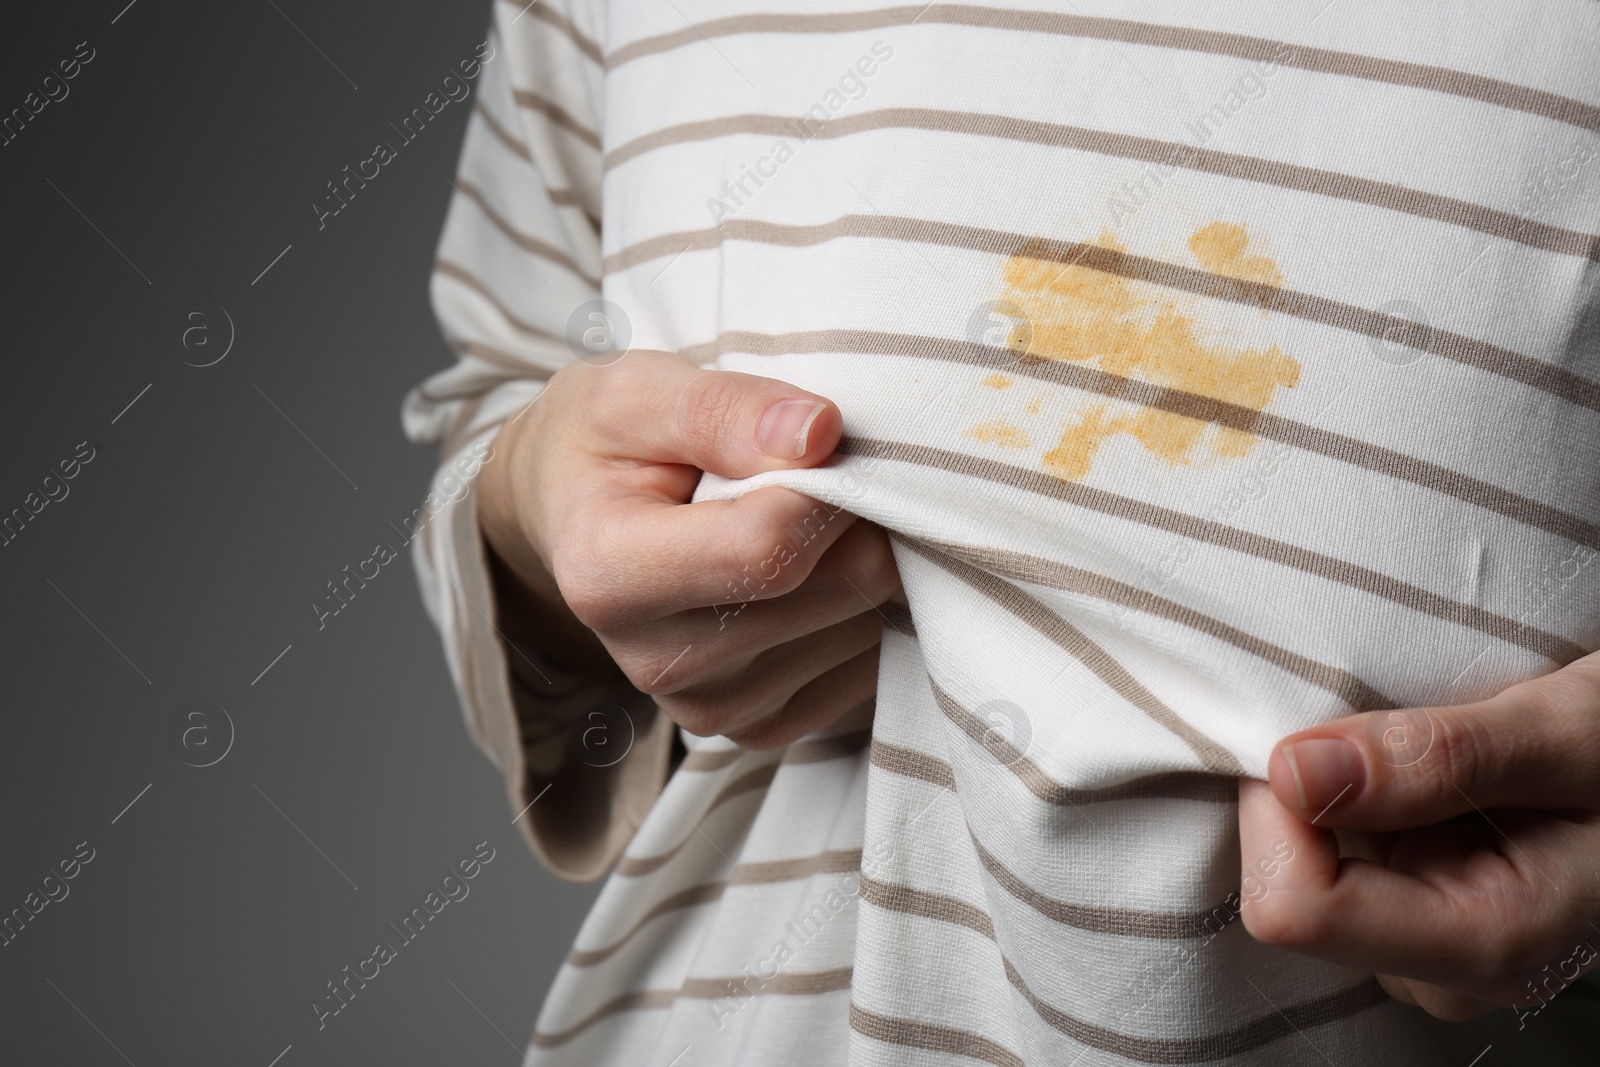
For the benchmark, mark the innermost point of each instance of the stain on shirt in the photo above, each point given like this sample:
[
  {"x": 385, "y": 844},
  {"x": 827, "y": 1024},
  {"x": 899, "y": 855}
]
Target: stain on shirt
[{"x": 1139, "y": 331}]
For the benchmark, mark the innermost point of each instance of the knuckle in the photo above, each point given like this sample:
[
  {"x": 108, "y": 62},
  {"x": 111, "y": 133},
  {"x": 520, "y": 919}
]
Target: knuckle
[
  {"x": 748, "y": 544},
  {"x": 655, "y": 671},
  {"x": 821, "y": 518},
  {"x": 1286, "y": 920},
  {"x": 591, "y": 398},
  {"x": 1500, "y": 963},
  {"x": 586, "y": 569},
  {"x": 578, "y": 578},
  {"x": 1586, "y": 672},
  {"x": 1560, "y": 738},
  {"x": 873, "y": 569},
  {"x": 759, "y": 562},
  {"x": 1522, "y": 928},
  {"x": 595, "y": 610},
  {"x": 1571, "y": 696},
  {"x": 641, "y": 669},
  {"x": 702, "y": 718},
  {"x": 778, "y": 577},
  {"x": 1465, "y": 757},
  {"x": 707, "y": 416},
  {"x": 1505, "y": 955},
  {"x": 567, "y": 377}
]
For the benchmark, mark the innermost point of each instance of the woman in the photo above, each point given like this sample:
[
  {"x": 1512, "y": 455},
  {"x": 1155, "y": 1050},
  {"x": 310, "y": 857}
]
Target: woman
[{"x": 1081, "y": 311}]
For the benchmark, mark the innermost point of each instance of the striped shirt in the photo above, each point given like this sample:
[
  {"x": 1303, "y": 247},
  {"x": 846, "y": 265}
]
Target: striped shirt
[{"x": 1218, "y": 370}]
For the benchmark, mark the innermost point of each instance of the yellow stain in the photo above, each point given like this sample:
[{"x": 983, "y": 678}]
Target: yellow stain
[
  {"x": 1035, "y": 404},
  {"x": 1138, "y": 331},
  {"x": 997, "y": 381},
  {"x": 1220, "y": 248},
  {"x": 1002, "y": 433}
]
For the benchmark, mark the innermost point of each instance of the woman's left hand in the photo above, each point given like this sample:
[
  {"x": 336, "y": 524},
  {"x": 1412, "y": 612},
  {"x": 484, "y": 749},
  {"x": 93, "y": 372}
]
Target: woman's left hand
[{"x": 1470, "y": 874}]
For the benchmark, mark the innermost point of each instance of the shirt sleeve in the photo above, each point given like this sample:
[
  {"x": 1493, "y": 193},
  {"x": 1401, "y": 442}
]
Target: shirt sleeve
[{"x": 519, "y": 252}]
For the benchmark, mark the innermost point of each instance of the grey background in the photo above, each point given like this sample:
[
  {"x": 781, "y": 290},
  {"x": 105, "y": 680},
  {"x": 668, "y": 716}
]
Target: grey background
[
  {"x": 186, "y": 555},
  {"x": 196, "y": 141}
]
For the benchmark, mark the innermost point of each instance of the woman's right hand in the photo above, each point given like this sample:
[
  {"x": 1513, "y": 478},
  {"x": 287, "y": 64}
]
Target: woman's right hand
[{"x": 754, "y": 618}]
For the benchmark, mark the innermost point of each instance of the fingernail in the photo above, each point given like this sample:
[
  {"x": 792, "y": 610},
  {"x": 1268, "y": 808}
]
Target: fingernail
[
  {"x": 1326, "y": 770},
  {"x": 786, "y": 426}
]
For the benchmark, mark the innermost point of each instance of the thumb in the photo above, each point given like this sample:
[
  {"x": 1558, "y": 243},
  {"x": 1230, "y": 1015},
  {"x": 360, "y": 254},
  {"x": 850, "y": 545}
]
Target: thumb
[
  {"x": 1536, "y": 745},
  {"x": 661, "y": 408}
]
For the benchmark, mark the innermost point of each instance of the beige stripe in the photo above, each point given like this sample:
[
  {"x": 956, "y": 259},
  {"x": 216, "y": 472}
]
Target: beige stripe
[
  {"x": 898, "y": 616},
  {"x": 1456, "y": 212},
  {"x": 1262, "y": 1030},
  {"x": 1335, "y": 446},
  {"x": 645, "y": 1000},
  {"x": 1231, "y": 538},
  {"x": 687, "y": 898},
  {"x": 909, "y": 763},
  {"x": 1100, "y": 663},
  {"x": 760, "y": 778},
  {"x": 1558, "y": 381},
  {"x": 639, "y": 866},
  {"x": 507, "y": 138},
  {"x": 912, "y": 901},
  {"x": 1121, "y": 922},
  {"x": 1341, "y": 683},
  {"x": 568, "y": 198},
  {"x": 1259, "y": 1031},
  {"x": 1180, "y": 785},
  {"x": 461, "y": 274},
  {"x": 834, "y": 861},
  {"x": 558, "y": 116},
  {"x": 544, "y": 9},
  {"x": 1172, "y": 785},
  {"x": 1254, "y": 1034},
  {"x": 527, "y": 241},
  {"x": 820, "y": 749},
  {"x": 1212, "y": 42},
  {"x": 911, "y": 1034},
  {"x": 798, "y": 984},
  {"x": 838, "y": 861},
  {"x": 804, "y": 983},
  {"x": 1458, "y": 348}
]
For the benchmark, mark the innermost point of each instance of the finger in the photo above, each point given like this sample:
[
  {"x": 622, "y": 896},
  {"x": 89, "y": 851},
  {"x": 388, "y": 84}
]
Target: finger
[
  {"x": 751, "y": 691},
  {"x": 1296, "y": 893},
  {"x": 1281, "y": 856},
  {"x": 1445, "y": 1004},
  {"x": 1452, "y": 911},
  {"x": 728, "y": 552},
  {"x": 661, "y": 408},
  {"x": 856, "y": 574},
  {"x": 1293, "y": 885},
  {"x": 1398, "y": 988},
  {"x": 1535, "y": 745},
  {"x": 817, "y": 704},
  {"x": 1363, "y": 845}
]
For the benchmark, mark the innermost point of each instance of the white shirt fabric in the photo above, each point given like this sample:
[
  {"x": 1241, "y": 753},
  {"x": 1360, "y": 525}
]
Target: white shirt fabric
[{"x": 1218, "y": 371}]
